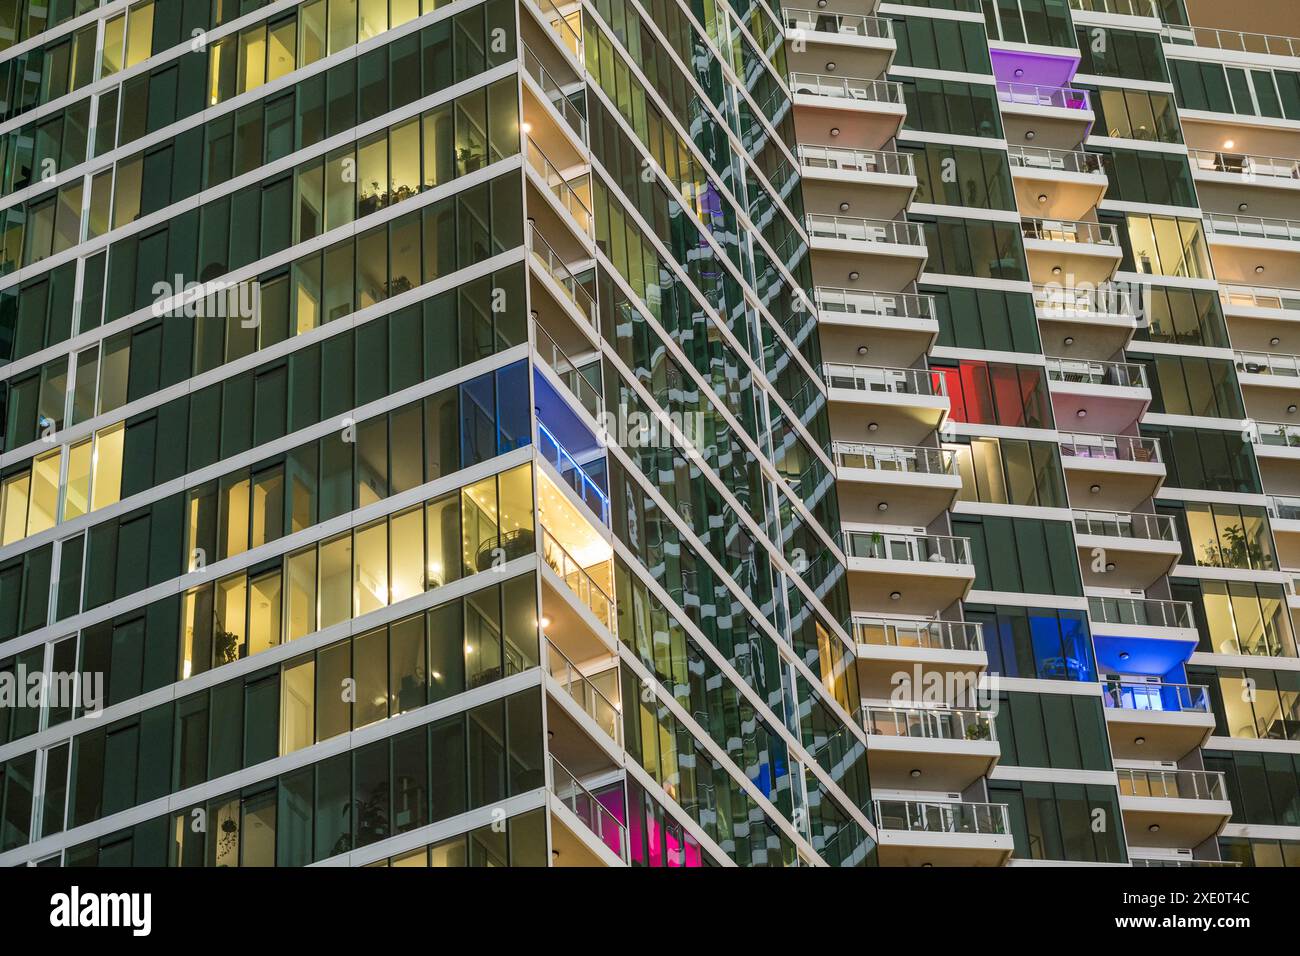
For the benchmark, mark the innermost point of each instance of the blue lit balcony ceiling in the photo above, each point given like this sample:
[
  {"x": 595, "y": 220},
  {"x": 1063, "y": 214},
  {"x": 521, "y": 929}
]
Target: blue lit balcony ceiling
[
  {"x": 928, "y": 746},
  {"x": 1172, "y": 808},
  {"x": 826, "y": 40},
  {"x": 1039, "y": 105},
  {"x": 1148, "y": 721},
  {"x": 1111, "y": 472}
]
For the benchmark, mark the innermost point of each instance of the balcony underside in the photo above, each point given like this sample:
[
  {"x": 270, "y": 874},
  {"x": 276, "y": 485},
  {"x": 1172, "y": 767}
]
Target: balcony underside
[
  {"x": 910, "y": 498},
  {"x": 1107, "y": 409},
  {"x": 1237, "y": 257},
  {"x": 880, "y": 667},
  {"x": 887, "y": 266},
  {"x": 1096, "y": 336},
  {"x": 1138, "y": 562},
  {"x": 1052, "y": 126},
  {"x": 1068, "y": 195},
  {"x": 946, "y": 765},
  {"x": 923, "y": 587},
  {"x": 1180, "y": 822},
  {"x": 869, "y": 195},
  {"x": 892, "y": 341},
  {"x": 904, "y": 848},
  {"x": 900, "y": 419},
  {"x": 1123, "y": 484},
  {"x": 1082, "y": 262},
  {"x": 859, "y": 124},
  {"x": 1164, "y": 735}
]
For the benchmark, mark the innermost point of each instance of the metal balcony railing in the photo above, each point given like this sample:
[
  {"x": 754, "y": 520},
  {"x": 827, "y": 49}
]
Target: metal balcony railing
[
  {"x": 579, "y": 580},
  {"x": 563, "y": 189},
  {"x": 941, "y": 817},
  {"x": 554, "y": 92},
  {"x": 1143, "y": 612},
  {"x": 1121, "y": 524},
  {"x": 1255, "y": 297},
  {"x": 570, "y": 373},
  {"x": 1251, "y": 227},
  {"x": 573, "y": 472},
  {"x": 907, "y": 458},
  {"x": 856, "y": 160},
  {"x": 1029, "y": 94},
  {"x": 569, "y": 790},
  {"x": 569, "y": 38},
  {"x": 1119, "y": 374},
  {"x": 1285, "y": 508},
  {"x": 555, "y": 267},
  {"x": 1166, "y": 698},
  {"x": 1125, "y": 8},
  {"x": 1055, "y": 160},
  {"x": 606, "y": 713},
  {"x": 871, "y": 378},
  {"x": 905, "y": 305},
  {"x": 930, "y": 723},
  {"x": 1106, "y": 298},
  {"x": 889, "y": 546},
  {"x": 892, "y": 231},
  {"x": 1246, "y": 165},
  {"x": 1268, "y": 363},
  {"x": 1109, "y": 447},
  {"x": 1233, "y": 40},
  {"x": 829, "y": 21},
  {"x": 846, "y": 87},
  {"x": 1152, "y": 861},
  {"x": 1179, "y": 784},
  {"x": 1064, "y": 230},
  {"x": 1274, "y": 433},
  {"x": 935, "y": 635}
]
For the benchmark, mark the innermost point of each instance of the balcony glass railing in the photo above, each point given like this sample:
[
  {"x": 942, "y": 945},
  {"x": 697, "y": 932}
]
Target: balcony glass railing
[
  {"x": 926, "y": 461},
  {"x": 1253, "y": 297},
  {"x": 892, "y": 231},
  {"x": 1251, "y": 227},
  {"x": 1121, "y": 524},
  {"x": 569, "y": 192},
  {"x": 828, "y": 21},
  {"x": 931, "y": 723},
  {"x": 554, "y": 92},
  {"x": 579, "y": 580},
  {"x": 1054, "y": 160},
  {"x": 1245, "y": 165},
  {"x": 1119, "y": 374},
  {"x": 1179, "y": 784},
  {"x": 570, "y": 37},
  {"x": 888, "y": 546},
  {"x": 1288, "y": 509},
  {"x": 588, "y": 808},
  {"x": 1103, "y": 299},
  {"x": 585, "y": 693},
  {"x": 1029, "y": 94},
  {"x": 1268, "y": 363},
  {"x": 1124, "y": 8},
  {"x": 936, "y": 817},
  {"x": 870, "y": 378},
  {"x": 576, "y": 474},
  {"x": 855, "y": 160},
  {"x": 570, "y": 373},
  {"x": 1233, "y": 40},
  {"x": 1109, "y": 447},
  {"x": 1274, "y": 433},
  {"x": 1136, "y": 861},
  {"x": 554, "y": 266},
  {"x": 846, "y": 87},
  {"x": 1143, "y": 612},
  {"x": 1064, "y": 230},
  {"x": 905, "y": 305},
  {"x": 1167, "y": 698},
  {"x": 935, "y": 635}
]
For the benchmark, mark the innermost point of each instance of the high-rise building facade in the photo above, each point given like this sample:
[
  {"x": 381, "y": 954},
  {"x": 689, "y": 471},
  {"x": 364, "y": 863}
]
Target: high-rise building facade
[{"x": 652, "y": 433}]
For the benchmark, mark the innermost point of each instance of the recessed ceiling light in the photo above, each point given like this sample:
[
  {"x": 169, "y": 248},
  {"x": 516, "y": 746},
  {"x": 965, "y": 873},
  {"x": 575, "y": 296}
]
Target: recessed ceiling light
[
  {"x": 1154, "y": 828},
  {"x": 1290, "y": 409},
  {"x": 1069, "y": 340},
  {"x": 883, "y": 506},
  {"x": 835, "y": 131},
  {"x": 1030, "y": 134},
  {"x": 1275, "y": 341},
  {"x": 853, "y": 276},
  {"x": 1123, "y": 655},
  {"x": 1139, "y": 740},
  {"x": 1229, "y": 143},
  {"x": 830, "y": 66},
  {"x": 915, "y": 773},
  {"x": 872, "y": 426},
  {"x": 1259, "y": 270},
  {"x": 1242, "y": 206},
  {"x": 895, "y": 595},
  {"x": 1081, "y": 413},
  {"x": 1110, "y": 566},
  {"x": 844, "y": 207},
  {"x": 526, "y": 127},
  {"x": 1019, "y": 71},
  {"x": 1095, "y": 489},
  {"x": 1042, "y": 197},
  {"x": 862, "y": 350}
]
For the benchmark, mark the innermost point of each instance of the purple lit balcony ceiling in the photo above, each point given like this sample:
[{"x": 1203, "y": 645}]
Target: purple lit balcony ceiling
[{"x": 1038, "y": 79}]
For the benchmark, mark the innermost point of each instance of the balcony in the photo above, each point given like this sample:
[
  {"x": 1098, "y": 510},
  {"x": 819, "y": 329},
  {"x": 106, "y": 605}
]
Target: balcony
[
  {"x": 1244, "y": 247},
  {"x": 570, "y": 196},
  {"x": 1172, "y": 808},
  {"x": 1122, "y": 8},
  {"x": 896, "y": 405},
  {"x": 867, "y": 113},
  {"x": 952, "y": 650},
  {"x": 1056, "y": 183},
  {"x": 858, "y": 44},
  {"x": 1092, "y": 321},
  {"x": 564, "y": 28},
  {"x": 1080, "y": 253},
  {"x": 900, "y": 326},
  {"x": 1115, "y": 472},
  {"x": 1226, "y": 180},
  {"x": 877, "y": 253},
  {"x": 1122, "y": 617},
  {"x": 587, "y": 829},
  {"x": 1284, "y": 519},
  {"x": 1149, "y": 721},
  {"x": 913, "y": 485},
  {"x": 579, "y": 476},
  {"x": 560, "y": 299},
  {"x": 1277, "y": 452},
  {"x": 934, "y": 748},
  {"x": 1270, "y": 383},
  {"x": 1234, "y": 41},
  {"x": 554, "y": 109},
  {"x": 876, "y": 183},
  {"x": 580, "y": 379},
  {"x": 1125, "y": 549},
  {"x": 1057, "y": 116},
  {"x": 1110, "y": 396},
  {"x": 1262, "y": 319},
  {"x": 583, "y": 717},
  {"x": 920, "y": 833},
  {"x": 577, "y": 573},
  {"x": 907, "y": 573}
]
